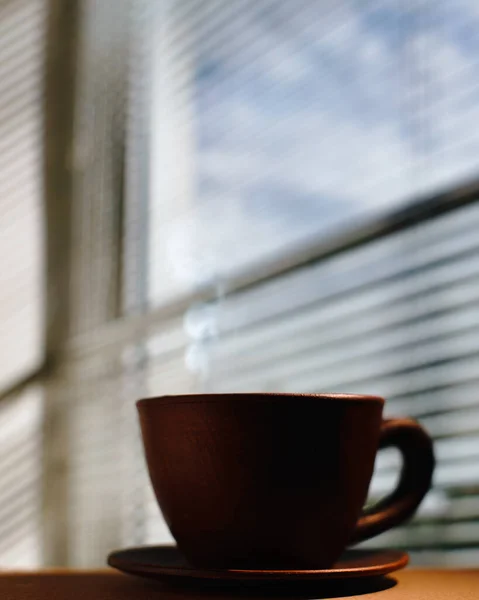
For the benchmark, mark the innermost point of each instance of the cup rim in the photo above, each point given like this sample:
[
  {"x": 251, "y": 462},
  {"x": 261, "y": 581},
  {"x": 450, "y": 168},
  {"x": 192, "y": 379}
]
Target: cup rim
[{"x": 208, "y": 398}]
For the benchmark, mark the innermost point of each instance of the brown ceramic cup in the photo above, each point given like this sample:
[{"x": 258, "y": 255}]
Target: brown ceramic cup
[{"x": 277, "y": 480}]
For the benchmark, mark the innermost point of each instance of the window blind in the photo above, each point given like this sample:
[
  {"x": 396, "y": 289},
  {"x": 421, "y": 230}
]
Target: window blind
[
  {"x": 254, "y": 130},
  {"x": 296, "y": 124},
  {"x": 278, "y": 124},
  {"x": 22, "y": 31},
  {"x": 398, "y": 318},
  {"x": 22, "y": 39},
  {"x": 20, "y": 478}
]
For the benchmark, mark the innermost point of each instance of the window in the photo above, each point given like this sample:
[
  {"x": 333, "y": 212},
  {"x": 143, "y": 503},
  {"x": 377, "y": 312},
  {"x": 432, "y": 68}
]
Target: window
[
  {"x": 275, "y": 132},
  {"x": 262, "y": 114},
  {"x": 22, "y": 37},
  {"x": 257, "y": 196}
]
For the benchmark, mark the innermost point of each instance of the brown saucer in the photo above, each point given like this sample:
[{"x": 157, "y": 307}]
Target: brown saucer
[{"x": 166, "y": 562}]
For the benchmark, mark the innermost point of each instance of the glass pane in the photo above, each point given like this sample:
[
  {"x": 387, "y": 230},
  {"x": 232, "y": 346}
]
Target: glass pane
[
  {"x": 20, "y": 480},
  {"x": 276, "y": 124},
  {"x": 22, "y": 28}
]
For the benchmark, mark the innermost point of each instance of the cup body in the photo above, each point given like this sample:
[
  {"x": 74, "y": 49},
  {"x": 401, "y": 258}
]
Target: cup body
[{"x": 261, "y": 480}]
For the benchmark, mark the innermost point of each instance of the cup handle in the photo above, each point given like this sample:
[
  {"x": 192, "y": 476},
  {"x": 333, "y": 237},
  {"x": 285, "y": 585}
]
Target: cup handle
[{"x": 416, "y": 448}]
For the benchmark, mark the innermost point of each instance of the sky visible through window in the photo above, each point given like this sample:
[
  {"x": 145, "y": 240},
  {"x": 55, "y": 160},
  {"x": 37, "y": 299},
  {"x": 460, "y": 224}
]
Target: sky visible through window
[{"x": 306, "y": 116}]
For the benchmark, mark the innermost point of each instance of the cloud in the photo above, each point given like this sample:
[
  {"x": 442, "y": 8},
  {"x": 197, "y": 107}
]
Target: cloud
[{"x": 306, "y": 119}]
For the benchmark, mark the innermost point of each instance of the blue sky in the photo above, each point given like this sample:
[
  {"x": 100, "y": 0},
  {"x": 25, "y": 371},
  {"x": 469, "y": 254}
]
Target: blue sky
[{"x": 308, "y": 114}]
